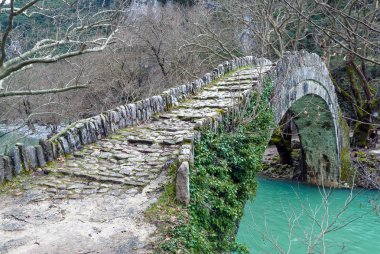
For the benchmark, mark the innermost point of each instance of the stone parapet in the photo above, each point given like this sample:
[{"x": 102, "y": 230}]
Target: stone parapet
[{"x": 23, "y": 158}]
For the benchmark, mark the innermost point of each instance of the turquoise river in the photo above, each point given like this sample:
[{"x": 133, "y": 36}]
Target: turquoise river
[{"x": 287, "y": 217}]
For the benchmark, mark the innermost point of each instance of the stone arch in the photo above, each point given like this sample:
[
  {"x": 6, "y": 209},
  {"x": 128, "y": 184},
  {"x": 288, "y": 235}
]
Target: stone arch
[{"x": 303, "y": 86}]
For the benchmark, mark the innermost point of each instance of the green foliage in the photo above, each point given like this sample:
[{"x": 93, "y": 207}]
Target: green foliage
[{"x": 221, "y": 181}]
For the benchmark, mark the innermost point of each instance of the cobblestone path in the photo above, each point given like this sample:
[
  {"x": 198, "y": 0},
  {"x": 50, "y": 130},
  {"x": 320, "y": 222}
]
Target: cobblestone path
[{"x": 94, "y": 200}]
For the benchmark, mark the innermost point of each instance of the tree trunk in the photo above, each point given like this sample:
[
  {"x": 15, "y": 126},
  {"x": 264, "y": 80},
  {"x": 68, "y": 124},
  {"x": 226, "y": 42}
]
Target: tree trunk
[
  {"x": 283, "y": 142},
  {"x": 360, "y": 138},
  {"x": 363, "y": 128}
]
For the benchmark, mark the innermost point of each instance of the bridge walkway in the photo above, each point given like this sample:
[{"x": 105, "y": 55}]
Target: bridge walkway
[{"x": 93, "y": 201}]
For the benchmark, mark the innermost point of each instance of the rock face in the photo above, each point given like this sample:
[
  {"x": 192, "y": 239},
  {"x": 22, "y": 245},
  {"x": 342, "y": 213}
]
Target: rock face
[
  {"x": 367, "y": 167},
  {"x": 272, "y": 167}
]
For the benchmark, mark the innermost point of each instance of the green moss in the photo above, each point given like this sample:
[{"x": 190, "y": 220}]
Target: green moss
[
  {"x": 346, "y": 171},
  {"x": 167, "y": 199},
  {"x": 362, "y": 156},
  {"x": 15, "y": 184},
  {"x": 361, "y": 134},
  {"x": 166, "y": 212},
  {"x": 165, "y": 203},
  {"x": 220, "y": 111},
  {"x": 187, "y": 142},
  {"x": 117, "y": 137}
]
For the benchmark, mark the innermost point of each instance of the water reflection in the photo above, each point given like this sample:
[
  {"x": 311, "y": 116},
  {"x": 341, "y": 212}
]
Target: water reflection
[{"x": 287, "y": 217}]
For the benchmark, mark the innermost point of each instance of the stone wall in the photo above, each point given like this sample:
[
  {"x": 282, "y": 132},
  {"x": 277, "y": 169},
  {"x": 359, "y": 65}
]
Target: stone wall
[{"x": 22, "y": 158}]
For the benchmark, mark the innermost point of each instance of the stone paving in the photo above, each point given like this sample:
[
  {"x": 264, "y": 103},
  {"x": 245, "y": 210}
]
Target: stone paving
[{"x": 93, "y": 201}]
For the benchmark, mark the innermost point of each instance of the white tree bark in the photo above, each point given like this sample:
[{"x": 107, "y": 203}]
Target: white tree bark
[{"x": 87, "y": 32}]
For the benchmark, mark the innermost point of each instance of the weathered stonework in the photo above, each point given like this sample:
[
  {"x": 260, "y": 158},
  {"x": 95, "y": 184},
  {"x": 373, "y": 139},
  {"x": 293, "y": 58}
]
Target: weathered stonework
[
  {"x": 100, "y": 174},
  {"x": 295, "y": 76},
  {"x": 8, "y": 176},
  {"x": 16, "y": 159},
  {"x": 88, "y": 131},
  {"x": 41, "y": 162},
  {"x": 1, "y": 170},
  {"x": 24, "y": 156},
  {"x": 183, "y": 183}
]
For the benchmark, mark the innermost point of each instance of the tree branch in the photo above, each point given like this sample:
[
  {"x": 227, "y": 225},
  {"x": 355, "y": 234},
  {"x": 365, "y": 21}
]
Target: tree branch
[
  {"x": 38, "y": 92},
  {"x": 323, "y": 30}
]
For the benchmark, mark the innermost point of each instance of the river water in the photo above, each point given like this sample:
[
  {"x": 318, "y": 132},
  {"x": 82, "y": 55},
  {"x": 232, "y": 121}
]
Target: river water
[
  {"x": 12, "y": 134},
  {"x": 285, "y": 216},
  {"x": 7, "y": 141}
]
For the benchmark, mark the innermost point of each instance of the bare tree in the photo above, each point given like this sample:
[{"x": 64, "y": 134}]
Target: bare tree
[
  {"x": 345, "y": 34},
  {"x": 76, "y": 29},
  {"x": 144, "y": 58},
  {"x": 348, "y": 34}
]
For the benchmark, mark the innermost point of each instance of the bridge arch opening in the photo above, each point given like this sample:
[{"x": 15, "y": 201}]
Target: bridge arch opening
[
  {"x": 311, "y": 121},
  {"x": 303, "y": 87}
]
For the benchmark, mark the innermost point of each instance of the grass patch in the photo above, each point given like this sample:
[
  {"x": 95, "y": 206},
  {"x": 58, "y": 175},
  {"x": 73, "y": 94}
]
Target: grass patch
[
  {"x": 166, "y": 205},
  {"x": 15, "y": 184}
]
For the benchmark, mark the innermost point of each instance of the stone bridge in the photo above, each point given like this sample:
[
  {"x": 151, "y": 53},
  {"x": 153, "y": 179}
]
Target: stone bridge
[
  {"x": 86, "y": 189},
  {"x": 303, "y": 87}
]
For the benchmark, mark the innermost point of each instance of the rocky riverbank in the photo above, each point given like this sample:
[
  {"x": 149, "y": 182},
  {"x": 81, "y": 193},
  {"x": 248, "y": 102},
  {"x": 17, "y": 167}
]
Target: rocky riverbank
[
  {"x": 365, "y": 167},
  {"x": 272, "y": 167}
]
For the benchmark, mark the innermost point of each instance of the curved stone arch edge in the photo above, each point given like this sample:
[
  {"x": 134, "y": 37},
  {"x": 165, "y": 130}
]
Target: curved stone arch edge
[
  {"x": 183, "y": 176},
  {"x": 313, "y": 89},
  {"x": 22, "y": 158},
  {"x": 297, "y": 71}
]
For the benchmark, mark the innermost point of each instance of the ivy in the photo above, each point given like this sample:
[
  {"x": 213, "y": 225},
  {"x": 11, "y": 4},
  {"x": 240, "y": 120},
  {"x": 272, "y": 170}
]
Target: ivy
[{"x": 222, "y": 179}]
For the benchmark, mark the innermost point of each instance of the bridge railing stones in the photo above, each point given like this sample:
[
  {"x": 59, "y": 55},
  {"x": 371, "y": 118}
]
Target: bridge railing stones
[{"x": 22, "y": 158}]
